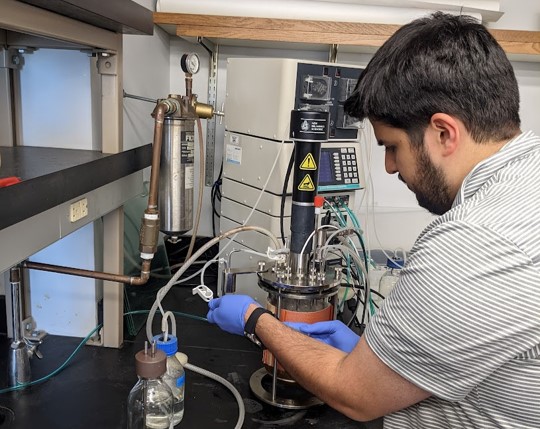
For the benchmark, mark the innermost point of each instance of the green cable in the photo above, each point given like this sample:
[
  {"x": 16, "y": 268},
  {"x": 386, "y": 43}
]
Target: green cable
[
  {"x": 371, "y": 306},
  {"x": 353, "y": 217},
  {"x": 82, "y": 343},
  {"x": 56, "y": 371},
  {"x": 339, "y": 217},
  {"x": 356, "y": 223}
]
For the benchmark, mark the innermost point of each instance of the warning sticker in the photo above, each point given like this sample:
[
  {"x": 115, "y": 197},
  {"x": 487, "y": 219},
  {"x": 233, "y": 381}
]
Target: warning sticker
[
  {"x": 308, "y": 163},
  {"x": 306, "y": 184}
]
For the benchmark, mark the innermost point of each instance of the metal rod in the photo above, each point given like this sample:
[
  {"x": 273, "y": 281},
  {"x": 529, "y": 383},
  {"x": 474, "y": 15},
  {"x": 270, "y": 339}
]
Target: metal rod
[
  {"x": 15, "y": 281},
  {"x": 211, "y": 122},
  {"x": 19, "y": 359},
  {"x": 138, "y": 97},
  {"x": 274, "y": 372}
]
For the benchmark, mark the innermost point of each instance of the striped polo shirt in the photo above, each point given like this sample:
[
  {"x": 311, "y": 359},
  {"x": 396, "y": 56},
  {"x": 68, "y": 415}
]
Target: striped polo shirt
[{"x": 463, "y": 321}]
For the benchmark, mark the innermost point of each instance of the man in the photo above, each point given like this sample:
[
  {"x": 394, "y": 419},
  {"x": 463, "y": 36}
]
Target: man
[{"x": 456, "y": 344}]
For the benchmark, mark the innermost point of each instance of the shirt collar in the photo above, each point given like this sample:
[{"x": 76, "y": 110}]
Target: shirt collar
[{"x": 518, "y": 146}]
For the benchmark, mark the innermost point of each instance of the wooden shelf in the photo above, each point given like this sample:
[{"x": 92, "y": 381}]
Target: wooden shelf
[{"x": 523, "y": 44}]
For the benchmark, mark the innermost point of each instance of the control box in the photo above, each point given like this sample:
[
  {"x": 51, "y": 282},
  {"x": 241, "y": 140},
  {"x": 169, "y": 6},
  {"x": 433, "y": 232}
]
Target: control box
[{"x": 261, "y": 92}]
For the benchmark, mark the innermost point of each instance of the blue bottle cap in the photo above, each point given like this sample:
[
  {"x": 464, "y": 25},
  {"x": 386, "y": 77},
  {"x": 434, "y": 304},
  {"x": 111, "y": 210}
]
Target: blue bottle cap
[
  {"x": 169, "y": 347},
  {"x": 395, "y": 263}
]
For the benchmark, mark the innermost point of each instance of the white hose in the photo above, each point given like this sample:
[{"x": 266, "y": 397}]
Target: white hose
[
  {"x": 219, "y": 379},
  {"x": 195, "y": 229},
  {"x": 261, "y": 193},
  {"x": 165, "y": 289}
]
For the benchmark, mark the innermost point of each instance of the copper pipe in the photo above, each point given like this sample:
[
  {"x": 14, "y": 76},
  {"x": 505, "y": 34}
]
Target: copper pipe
[
  {"x": 189, "y": 86},
  {"x": 148, "y": 235},
  {"x": 160, "y": 111},
  {"x": 145, "y": 272}
]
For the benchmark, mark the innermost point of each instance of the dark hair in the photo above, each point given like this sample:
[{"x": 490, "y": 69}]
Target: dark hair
[{"x": 441, "y": 63}]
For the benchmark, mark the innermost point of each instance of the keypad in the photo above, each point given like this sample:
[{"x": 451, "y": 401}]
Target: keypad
[{"x": 345, "y": 162}]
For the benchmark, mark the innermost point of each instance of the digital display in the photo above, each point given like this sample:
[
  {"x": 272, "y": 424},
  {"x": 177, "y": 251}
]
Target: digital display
[
  {"x": 326, "y": 174},
  {"x": 338, "y": 169}
]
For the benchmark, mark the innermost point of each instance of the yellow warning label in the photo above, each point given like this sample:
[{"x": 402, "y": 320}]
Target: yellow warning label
[
  {"x": 308, "y": 163},
  {"x": 306, "y": 184}
]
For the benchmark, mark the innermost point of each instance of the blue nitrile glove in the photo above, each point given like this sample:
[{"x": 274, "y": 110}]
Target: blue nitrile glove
[
  {"x": 333, "y": 332},
  {"x": 228, "y": 312}
]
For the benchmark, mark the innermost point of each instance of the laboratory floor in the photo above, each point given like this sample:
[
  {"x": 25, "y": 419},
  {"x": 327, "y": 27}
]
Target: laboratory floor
[{"x": 91, "y": 391}]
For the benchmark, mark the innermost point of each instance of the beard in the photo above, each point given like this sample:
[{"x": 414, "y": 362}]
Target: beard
[{"x": 430, "y": 186}]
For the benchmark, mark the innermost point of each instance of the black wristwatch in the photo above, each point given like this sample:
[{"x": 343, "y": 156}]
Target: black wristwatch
[{"x": 249, "y": 327}]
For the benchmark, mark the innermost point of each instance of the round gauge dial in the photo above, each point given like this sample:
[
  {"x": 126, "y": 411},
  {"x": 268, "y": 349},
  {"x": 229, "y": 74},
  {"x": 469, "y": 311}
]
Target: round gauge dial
[{"x": 190, "y": 63}]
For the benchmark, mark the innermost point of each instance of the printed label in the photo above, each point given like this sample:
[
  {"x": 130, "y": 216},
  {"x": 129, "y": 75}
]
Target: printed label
[
  {"x": 189, "y": 177},
  {"x": 187, "y": 147},
  {"x": 233, "y": 154}
]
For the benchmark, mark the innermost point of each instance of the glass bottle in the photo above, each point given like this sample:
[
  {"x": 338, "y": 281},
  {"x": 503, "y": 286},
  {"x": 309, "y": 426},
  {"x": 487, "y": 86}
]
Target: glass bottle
[
  {"x": 175, "y": 376},
  {"x": 389, "y": 279},
  {"x": 150, "y": 401}
]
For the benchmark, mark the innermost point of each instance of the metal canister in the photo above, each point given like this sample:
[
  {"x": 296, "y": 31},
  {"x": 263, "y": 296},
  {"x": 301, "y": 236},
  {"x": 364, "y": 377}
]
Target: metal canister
[{"x": 177, "y": 176}]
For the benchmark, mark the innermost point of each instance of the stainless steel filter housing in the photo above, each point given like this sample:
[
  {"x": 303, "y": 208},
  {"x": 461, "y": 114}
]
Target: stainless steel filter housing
[{"x": 176, "y": 180}]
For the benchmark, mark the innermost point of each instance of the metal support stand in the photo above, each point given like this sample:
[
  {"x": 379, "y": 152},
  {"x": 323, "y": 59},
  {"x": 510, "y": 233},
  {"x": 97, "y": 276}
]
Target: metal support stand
[
  {"x": 210, "y": 146},
  {"x": 19, "y": 358}
]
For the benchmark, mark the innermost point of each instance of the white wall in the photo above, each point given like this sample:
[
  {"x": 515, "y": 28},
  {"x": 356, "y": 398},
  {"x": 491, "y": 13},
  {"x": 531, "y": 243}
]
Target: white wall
[
  {"x": 518, "y": 15},
  {"x": 146, "y": 73}
]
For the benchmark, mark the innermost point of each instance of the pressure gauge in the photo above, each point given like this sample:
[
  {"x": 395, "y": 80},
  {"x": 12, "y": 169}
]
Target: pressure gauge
[{"x": 190, "y": 63}]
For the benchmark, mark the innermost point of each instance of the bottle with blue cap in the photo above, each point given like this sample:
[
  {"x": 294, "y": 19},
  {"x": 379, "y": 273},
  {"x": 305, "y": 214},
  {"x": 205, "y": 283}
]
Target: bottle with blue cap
[
  {"x": 174, "y": 376},
  {"x": 390, "y": 277}
]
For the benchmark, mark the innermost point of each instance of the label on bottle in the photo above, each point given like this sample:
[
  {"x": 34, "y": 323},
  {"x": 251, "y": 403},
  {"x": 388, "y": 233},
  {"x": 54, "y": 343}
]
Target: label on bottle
[{"x": 180, "y": 381}]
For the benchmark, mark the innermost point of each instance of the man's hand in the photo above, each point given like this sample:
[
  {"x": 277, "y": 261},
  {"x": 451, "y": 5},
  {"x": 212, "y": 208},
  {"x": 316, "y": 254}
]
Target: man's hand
[
  {"x": 333, "y": 332},
  {"x": 229, "y": 312}
]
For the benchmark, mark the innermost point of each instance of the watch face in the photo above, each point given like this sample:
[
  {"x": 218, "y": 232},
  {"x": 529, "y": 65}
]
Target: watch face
[{"x": 190, "y": 63}]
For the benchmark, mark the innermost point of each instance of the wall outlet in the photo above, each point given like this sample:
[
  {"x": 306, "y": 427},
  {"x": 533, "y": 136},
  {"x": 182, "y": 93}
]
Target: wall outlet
[{"x": 78, "y": 210}]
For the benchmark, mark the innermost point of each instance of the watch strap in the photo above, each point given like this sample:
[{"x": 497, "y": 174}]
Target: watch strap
[{"x": 251, "y": 323}]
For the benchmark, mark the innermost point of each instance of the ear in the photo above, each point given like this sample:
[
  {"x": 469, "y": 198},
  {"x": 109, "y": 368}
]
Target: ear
[{"x": 445, "y": 133}]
